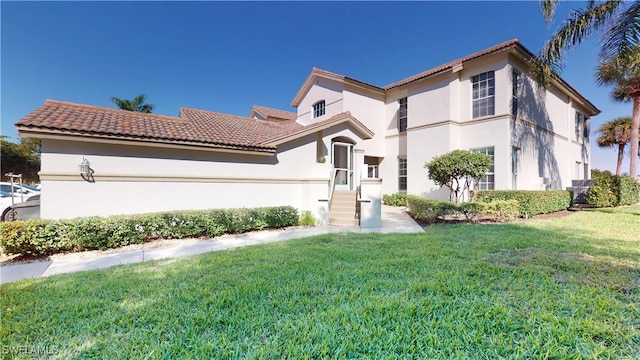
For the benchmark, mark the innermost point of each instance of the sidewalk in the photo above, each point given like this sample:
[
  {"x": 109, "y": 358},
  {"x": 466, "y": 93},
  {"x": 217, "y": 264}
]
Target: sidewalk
[{"x": 394, "y": 220}]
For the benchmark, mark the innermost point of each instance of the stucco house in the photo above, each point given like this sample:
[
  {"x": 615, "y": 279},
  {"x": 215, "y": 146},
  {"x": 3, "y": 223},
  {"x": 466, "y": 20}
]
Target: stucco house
[{"x": 345, "y": 135}]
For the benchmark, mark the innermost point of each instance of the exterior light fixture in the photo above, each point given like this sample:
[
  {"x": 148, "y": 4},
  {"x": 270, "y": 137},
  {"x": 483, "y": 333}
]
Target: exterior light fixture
[{"x": 84, "y": 167}]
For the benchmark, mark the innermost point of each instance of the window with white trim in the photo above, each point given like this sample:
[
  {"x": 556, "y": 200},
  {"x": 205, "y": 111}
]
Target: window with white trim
[
  {"x": 402, "y": 115},
  {"x": 318, "y": 109},
  {"x": 402, "y": 173},
  {"x": 487, "y": 182},
  {"x": 483, "y": 94},
  {"x": 372, "y": 171},
  {"x": 579, "y": 125}
]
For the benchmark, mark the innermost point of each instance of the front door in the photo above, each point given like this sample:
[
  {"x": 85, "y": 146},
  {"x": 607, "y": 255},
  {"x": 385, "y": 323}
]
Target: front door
[{"x": 342, "y": 159}]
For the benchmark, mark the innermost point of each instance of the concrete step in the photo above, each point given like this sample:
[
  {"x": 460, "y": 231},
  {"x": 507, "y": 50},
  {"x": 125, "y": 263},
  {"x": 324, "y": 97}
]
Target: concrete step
[{"x": 343, "y": 222}]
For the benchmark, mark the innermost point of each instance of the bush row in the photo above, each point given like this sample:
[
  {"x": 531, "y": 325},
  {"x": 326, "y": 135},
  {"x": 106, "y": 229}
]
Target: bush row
[
  {"x": 433, "y": 210},
  {"x": 531, "y": 202},
  {"x": 611, "y": 190},
  {"x": 396, "y": 199},
  {"x": 43, "y": 237}
]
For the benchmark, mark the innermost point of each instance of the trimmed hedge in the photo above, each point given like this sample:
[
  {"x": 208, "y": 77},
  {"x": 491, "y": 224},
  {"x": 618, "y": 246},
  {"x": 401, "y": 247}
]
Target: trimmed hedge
[
  {"x": 531, "y": 202},
  {"x": 44, "y": 237},
  {"x": 611, "y": 190},
  {"x": 396, "y": 199},
  {"x": 430, "y": 210}
]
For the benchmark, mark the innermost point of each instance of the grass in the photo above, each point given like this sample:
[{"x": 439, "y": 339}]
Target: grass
[{"x": 561, "y": 288}]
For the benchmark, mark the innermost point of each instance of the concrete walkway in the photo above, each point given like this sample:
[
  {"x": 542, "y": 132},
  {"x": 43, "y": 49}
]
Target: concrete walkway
[{"x": 394, "y": 220}]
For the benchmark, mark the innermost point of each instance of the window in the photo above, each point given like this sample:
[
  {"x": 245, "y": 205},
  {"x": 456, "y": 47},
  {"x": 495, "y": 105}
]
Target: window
[
  {"x": 580, "y": 128},
  {"x": 585, "y": 129},
  {"x": 402, "y": 174},
  {"x": 402, "y": 115},
  {"x": 318, "y": 109},
  {"x": 487, "y": 182},
  {"x": 515, "y": 83},
  {"x": 514, "y": 167},
  {"x": 372, "y": 171},
  {"x": 483, "y": 94}
]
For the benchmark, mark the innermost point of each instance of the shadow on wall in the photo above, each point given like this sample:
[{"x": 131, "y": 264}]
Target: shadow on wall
[{"x": 535, "y": 137}]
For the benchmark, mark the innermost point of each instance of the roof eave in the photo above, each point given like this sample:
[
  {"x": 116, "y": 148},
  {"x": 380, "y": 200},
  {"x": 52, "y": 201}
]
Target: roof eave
[
  {"x": 364, "y": 132},
  {"x": 69, "y": 135}
]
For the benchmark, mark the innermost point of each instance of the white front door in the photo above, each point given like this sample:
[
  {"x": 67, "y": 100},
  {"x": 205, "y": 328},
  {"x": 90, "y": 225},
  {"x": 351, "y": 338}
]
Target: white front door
[{"x": 342, "y": 160}]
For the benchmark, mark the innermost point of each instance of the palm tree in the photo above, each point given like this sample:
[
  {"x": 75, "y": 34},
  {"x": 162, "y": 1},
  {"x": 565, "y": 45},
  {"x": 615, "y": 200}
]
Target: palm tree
[
  {"x": 623, "y": 72},
  {"x": 619, "y": 22},
  {"x": 137, "y": 104},
  {"x": 616, "y": 132}
]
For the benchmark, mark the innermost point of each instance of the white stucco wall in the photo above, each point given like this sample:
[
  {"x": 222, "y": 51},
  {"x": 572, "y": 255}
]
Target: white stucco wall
[
  {"x": 370, "y": 112},
  {"x": 323, "y": 89},
  {"x": 135, "y": 179}
]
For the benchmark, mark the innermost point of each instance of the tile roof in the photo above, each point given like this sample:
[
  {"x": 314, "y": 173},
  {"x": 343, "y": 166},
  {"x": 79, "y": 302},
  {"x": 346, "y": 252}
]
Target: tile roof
[
  {"x": 454, "y": 63},
  {"x": 191, "y": 127},
  {"x": 334, "y": 120},
  {"x": 274, "y": 113},
  {"x": 197, "y": 127}
]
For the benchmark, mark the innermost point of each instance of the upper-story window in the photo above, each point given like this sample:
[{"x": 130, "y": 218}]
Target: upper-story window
[
  {"x": 579, "y": 125},
  {"x": 402, "y": 115},
  {"x": 318, "y": 109},
  {"x": 483, "y": 94},
  {"x": 515, "y": 83}
]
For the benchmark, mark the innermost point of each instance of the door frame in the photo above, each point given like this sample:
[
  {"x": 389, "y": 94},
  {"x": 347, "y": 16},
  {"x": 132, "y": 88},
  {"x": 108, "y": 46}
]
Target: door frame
[{"x": 350, "y": 164}]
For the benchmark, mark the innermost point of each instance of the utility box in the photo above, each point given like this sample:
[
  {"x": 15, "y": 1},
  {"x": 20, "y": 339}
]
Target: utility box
[{"x": 370, "y": 203}]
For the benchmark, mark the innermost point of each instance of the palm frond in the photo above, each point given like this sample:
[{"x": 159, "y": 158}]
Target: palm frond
[
  {"x": 548, "y": 8},
  {"x": 623, "y": 34},
  {"x": 581, "y": 24}
]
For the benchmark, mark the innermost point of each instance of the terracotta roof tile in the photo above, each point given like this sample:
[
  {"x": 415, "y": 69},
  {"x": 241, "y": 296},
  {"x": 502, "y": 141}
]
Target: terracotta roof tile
[
  {"x": 192, "y": 126},
  {"x": 452, "y": 64},
  {"x": 274, "y": 113}
]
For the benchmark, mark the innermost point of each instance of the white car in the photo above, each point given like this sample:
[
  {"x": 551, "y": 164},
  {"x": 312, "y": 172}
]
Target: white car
[
  {"x": 20, "y": 194},
  {"x": 25, "y": 190}
]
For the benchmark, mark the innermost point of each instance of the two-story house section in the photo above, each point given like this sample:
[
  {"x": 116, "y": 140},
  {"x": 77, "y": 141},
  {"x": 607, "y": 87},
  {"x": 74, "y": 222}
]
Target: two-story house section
[
  {"x": 485, "y": 102},
  {"x": 347, "y": 142}
]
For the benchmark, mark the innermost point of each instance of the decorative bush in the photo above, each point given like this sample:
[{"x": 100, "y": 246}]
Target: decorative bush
[
  {"x": 396, "y": 199},
  {"x": 307, "y": 219},
  {"x": 611, "y": 190},
  {"x": 42, "y": 237},
  {"x": 500, "y": 210},
  {"x": 531, "y": 202},
  {"x": 427, "y": 209},
  {"x": 629, "y": 191}
]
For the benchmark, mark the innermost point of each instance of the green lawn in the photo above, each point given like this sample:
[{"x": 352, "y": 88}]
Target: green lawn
[{"x": 562, "y": 288}]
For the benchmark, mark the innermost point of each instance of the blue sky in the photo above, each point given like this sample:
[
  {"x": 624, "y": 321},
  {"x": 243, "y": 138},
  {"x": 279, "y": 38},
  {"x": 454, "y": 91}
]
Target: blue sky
[{"x": 227, "y": 56}]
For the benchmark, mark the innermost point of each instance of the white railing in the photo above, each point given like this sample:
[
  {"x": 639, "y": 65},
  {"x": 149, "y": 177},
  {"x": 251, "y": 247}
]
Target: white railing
[{"x": 332, "y": 183}]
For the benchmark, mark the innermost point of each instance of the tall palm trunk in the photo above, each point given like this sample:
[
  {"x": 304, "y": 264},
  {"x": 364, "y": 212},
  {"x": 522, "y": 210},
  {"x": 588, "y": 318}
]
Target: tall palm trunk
[
  {"x": 635, "y": 128},
  {"x": 620, "y": 157}
]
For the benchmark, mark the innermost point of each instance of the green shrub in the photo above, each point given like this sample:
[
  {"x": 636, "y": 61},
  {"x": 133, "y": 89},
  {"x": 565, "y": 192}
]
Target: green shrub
[
  {"x": 500, "y": 210},
  {"x": 396, "y": 199},
  {"x": 44, "y": 237},
  {"x": 602, "y": 193},
  {"x": 307, "y": 219},
  {"x": 531, "y": 202},
  {"x": 611, "y": 190},
  {"x": 428, "y": 210},
  {"x": 629, "y": 191}
]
